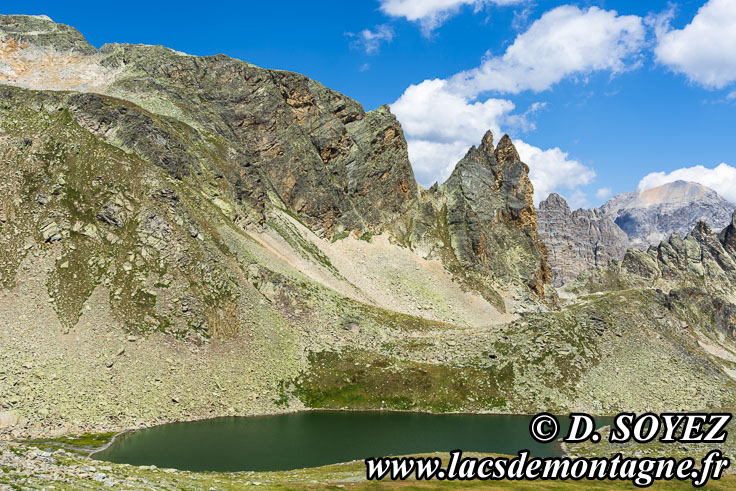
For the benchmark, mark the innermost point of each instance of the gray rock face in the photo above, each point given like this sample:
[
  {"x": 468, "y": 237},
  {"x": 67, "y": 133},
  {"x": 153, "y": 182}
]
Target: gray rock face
[
  {"x": 271, "y": 139},
  {"x": 491, "y": 216},
  {"x": 701, "y": 259},
  {"x": 278, "y": 137},
  {"x": 577, "y": 240},
  {"x": 41, "y": 30},
  {"x": 652, "y": 215},
  {"x": 484, "y": 217}
]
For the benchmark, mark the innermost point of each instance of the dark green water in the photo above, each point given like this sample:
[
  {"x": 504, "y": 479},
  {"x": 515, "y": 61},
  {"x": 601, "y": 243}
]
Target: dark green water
[{"x": 311, "y": 439}]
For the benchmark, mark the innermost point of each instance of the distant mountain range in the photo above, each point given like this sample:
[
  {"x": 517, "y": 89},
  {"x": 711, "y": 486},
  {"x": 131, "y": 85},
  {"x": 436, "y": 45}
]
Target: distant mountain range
[
  {"x": 583, "y": 239},
  {"x": 650, "y": 216}
]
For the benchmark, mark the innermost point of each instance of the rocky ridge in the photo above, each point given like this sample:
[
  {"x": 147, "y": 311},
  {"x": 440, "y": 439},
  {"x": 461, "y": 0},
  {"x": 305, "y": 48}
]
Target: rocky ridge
[
  {"x": 264, "y": 139},
  {"x": 482, "y": 220},
  {"x": 577, "y": 240},
  {"x": 695, "y": 274},
  {"x": 276, "y": 137},
  {"x": 702, "y": 259}
]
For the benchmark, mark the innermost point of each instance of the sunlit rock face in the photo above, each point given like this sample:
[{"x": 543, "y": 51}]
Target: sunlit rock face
[
  {"x": 650, "y": 216},
  {"x": 577, "y": 240}
]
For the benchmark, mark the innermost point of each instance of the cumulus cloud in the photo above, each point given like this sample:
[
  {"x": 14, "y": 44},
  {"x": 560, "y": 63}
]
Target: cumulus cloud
[
  {"x": 552, "y": 170},
  {"x": 565, "y": 41},
  {"x": 434, "y": 161},
  {"x": 705, "y": 49},
  {"x": 443, "y": 118},
  {"x": 721, "y": 178},
  {"x": 430, "y": 111},
  {"x": 440, "y": 126},
  {"x": 430, "y": 14},
  {"x": 371, "y": 40}
]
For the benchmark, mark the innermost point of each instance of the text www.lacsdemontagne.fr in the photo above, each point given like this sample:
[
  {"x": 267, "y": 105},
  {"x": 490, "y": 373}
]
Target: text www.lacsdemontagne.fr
[{"x": 642, "y": 472}]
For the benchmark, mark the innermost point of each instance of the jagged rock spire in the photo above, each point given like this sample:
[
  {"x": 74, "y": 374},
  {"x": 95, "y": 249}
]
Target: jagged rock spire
[
  {"x": 702, "y": 229},
  {"x": 554, "y": 200},
  {"x": 489, "y": 205},
  {"x": 506, "y": 151},
  {"x": 729, "y": 236},
  {"x": 486, "y": 144}
]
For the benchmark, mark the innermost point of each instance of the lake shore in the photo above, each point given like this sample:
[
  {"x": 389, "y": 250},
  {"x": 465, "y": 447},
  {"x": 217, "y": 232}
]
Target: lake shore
[{"x": 34, "y": 468}]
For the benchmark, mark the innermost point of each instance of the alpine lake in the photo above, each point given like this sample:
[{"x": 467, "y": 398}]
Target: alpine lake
[{"x": 316, "y": 438}]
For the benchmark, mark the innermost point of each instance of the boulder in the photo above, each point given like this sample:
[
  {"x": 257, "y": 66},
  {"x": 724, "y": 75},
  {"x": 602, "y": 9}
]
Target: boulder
[{"x": 9, "y": 418}]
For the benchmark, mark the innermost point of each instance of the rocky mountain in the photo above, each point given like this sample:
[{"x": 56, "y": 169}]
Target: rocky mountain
[
  {"x": 482, "y": 219},
  {"x": 577, "y": 240},
  {"x": 265, "y": 139},
  {"x": 274, "y": 137},
  {"x": 703, "y": 259},
  {"x": 696, "y": 275},
  {"x": 187, "y": 237},
  {"x": 649, "y": 216}
]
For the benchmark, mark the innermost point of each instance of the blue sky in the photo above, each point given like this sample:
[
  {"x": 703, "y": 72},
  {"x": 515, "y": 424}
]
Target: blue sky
[{"x": 600, "y": 96}]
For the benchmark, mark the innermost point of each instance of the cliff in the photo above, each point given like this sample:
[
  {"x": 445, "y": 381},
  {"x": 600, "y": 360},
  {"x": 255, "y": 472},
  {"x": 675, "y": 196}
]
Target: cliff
[{"x": 577, "y": 240}]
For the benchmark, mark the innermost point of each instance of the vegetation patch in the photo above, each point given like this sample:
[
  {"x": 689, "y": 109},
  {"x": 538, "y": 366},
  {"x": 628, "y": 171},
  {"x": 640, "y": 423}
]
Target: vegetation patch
[
  {"x": 396, "y": 320},
  {"x": 358, "y": 379},
  {"x": 308, "y": 250},
  {"x": 340, "y": 236},
  {"x": 78, "y": 444}
]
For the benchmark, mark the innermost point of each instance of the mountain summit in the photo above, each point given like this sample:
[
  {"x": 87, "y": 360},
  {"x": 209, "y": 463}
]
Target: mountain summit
[
  {"x": 577, "y": 240},
  {"x": 268, "y": 140},
  {"x": 649, "y": 216}
]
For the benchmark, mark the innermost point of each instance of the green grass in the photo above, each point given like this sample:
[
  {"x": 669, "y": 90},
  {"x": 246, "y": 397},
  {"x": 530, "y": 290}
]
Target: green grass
[
  {"x": 295, "y": 217},
  {"x": 300, "y": 244},
  {"x": 396, "y": 320},
  {"x": 79, "y": 444},
  {"x": 358, "y": 379},
  {"x": 340, "y": 236}
]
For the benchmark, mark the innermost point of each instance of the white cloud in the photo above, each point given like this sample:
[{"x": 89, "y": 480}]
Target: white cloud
[
  {"x": 577, "y": 199},
  {"x": 603, "y": 193},
  {"x": 440, "y": 126},
  {"x": 430, "y": 14},
  {"x": 371, "y": 41},
  {"x": 434, "y": 161},
  {"x": 721, "y": 178},
  {"x": 443, "y": 118},
  {"x": 565, "y": 41},
  {"x": 705, "y": 49},
  {"x": 551, "y": 170},
  {"x": 430, "y": 111}
]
